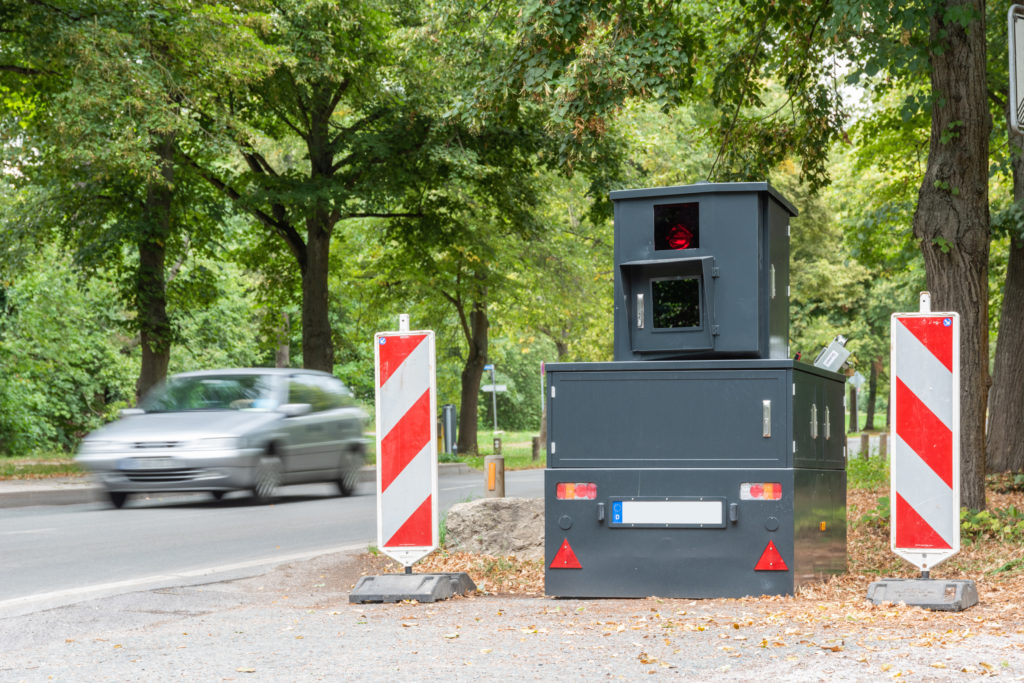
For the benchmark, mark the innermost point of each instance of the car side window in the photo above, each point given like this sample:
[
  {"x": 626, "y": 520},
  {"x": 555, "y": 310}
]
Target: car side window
[
  {"x": 338, "y": 394},
  {"x": 323, "y": 393},
  {"x": 304, "y": 389}
]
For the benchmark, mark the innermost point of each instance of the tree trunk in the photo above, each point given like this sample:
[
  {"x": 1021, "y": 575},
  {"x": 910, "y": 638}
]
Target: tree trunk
[
  {"x": 1006, "y": 416},
  {"x": 952, "y": 218},
  {"x": 869, "y": 409},
  {"x": 476, "y": 359},
  {"x": 317, "y": 348},
  {"x": 151, "y": 287},
  {"x": 282, "y": 355},
  {"x": 854, "y": 420},
  {"x": 317, "y": 345}
]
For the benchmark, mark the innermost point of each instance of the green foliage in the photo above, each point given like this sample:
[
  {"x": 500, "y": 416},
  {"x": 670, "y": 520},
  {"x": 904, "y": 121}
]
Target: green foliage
[
  {"x": 517, "y": 366},
  {"x": 218, "y": 331},
  {"x": 1006, "y": 482},
  {"x": 878, "y": 516},
  {"x": 65, "y": 369},
  {"x": 867, "y": 473},
  {"x": 1003, "y": 524},
  {"x": 42, "y": 466},
  {"x": 1006, "y": 567}
]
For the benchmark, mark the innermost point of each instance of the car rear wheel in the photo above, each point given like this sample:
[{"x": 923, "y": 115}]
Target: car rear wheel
[
  {"x": 117, "y": 498},
  {"x": 268, "y": 478}
]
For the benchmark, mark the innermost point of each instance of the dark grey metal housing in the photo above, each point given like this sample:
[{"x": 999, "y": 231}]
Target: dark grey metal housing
[
  {"x": 660, "y": 463},
  {"x": 695, "y": 430},
  {"x": 736, "y": 272}
]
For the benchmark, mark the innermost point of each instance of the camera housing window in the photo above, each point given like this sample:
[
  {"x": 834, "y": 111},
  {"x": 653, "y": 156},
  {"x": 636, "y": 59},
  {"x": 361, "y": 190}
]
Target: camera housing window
[
  {"x": 676, "y": 303},
  {"x": 676, "y": 226}
]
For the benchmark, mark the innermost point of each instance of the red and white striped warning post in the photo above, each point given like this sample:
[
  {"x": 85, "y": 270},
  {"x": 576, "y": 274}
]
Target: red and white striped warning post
[
  {"x": 407, "y": 518},
  {"x": 925, "y": 474}
]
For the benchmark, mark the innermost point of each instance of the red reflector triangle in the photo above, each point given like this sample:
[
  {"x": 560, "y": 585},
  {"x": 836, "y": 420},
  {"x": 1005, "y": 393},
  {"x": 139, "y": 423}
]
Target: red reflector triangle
[
  {"x": 565, "y": 558},
  {"x": 771, "y": 560}
]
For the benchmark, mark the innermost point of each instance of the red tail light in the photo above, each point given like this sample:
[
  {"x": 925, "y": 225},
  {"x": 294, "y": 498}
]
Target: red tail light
[
  {"x": 761, "y": 491},
  {"x": 575, "y": 491}
]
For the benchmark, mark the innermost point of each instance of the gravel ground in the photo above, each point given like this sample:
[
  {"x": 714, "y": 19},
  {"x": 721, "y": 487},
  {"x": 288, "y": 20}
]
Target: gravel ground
[{"x": 295, "y": 624}]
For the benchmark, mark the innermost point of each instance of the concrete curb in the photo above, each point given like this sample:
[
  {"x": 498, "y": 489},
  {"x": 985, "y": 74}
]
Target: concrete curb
[{"x": 79, "y": 490}]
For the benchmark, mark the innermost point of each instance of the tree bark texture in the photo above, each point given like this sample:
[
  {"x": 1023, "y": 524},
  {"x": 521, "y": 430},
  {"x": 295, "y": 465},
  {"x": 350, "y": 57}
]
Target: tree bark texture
[
  {"x": 475, "y": 328},
  {"x": 317, "y": 346},
  {"x": 1005, "y": 448},
  {"x": 952, "y": 219},
  {"x": 151, "y": 286},
  {"x": 869, "y": 409},
  {"x": 1006, "y": 418},
  {"x": 282, "y": 356}
]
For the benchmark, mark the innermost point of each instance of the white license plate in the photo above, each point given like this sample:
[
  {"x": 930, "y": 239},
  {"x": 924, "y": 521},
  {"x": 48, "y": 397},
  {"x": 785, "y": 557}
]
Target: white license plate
[
  {"x": 146, "y": 464},
  {"x": 685, "y": 513}
]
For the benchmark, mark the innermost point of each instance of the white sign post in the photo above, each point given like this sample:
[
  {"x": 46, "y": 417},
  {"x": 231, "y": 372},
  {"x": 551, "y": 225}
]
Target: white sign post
[
  {"x": 407, "y": 502},
  {"x": 1015, "y": 41},
  {"x": 925, "y": 471}
]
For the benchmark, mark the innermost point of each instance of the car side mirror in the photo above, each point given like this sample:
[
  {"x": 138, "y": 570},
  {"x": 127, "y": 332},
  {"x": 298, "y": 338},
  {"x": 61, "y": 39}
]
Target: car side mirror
[
  {"x": 128, "y": 412},
  {"x": 295, "y": 409}
]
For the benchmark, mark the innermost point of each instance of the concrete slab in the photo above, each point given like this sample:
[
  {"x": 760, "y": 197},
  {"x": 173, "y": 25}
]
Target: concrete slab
[
  {"x": 935, "y": 594},
  {"x": 418, "y": 587}
]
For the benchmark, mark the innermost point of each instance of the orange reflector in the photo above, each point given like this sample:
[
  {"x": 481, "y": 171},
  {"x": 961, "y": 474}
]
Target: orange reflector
[
  {"x": 822, "y": 526},
  {"x": 491, "y": 467},
  {"x": 771, "y": 560},
  {"x": 565, "y": 558}
]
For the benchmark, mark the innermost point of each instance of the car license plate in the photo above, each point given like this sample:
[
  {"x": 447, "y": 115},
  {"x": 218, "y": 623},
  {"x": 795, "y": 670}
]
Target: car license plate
[{"x": 145, "y": 464}]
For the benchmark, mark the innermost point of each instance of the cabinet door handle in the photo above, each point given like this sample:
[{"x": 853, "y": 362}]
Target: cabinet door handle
[
  {"x": 766, "y": 419},
  {"x": 640, "y": 311},
  {"x": 814, "y": 420}
]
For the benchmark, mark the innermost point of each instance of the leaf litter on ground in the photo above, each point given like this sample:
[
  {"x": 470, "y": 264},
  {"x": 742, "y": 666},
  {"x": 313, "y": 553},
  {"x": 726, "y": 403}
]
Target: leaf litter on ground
[{"x": 836, "y": 605}]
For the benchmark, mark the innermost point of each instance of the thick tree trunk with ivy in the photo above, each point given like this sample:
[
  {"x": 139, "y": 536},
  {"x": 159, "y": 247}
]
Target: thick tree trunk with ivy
[
  {"x": 952, "y": 220},
  {"x": 1005, "y": 449},
  {"x": 475, "y": 327},
  {"x": 151, "y": 285}
]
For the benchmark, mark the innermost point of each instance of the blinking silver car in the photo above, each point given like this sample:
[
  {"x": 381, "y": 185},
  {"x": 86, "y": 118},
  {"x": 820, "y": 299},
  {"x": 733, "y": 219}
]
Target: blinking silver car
[{"x": 228, "y": 430}]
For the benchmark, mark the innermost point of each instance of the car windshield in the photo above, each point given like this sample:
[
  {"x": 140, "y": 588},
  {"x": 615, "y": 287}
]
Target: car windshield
[{"x": 212, "y": 392}]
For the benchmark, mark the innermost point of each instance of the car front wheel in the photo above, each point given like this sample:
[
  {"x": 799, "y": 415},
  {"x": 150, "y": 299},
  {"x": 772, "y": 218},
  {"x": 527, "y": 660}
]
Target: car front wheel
[
  {"x": 347, "y": 482},
  {"x": 268, "y": 478}
]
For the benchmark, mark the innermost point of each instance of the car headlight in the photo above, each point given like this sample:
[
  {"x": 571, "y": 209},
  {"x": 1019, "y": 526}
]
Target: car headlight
[
  {"x": 214, "y": 444},
  {"x": 90, "y": 446}
]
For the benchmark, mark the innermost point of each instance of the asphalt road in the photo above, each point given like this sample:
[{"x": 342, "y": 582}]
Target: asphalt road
[{"x": 58, "y": 555}]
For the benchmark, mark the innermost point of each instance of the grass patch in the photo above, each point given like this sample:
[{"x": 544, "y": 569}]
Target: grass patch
[
  {"x": 40, "y": 467},
  {"x": 516, "y": 448},
  {"x": 867, "y": 473}
]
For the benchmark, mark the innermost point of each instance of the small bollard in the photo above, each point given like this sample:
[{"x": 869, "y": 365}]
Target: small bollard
[
  {"x": 865, "y": 443},
  {"x": 535, "y": 445},
  {"x": 494, "y": 472},
  {"x": 883, "y": 445},
  {"x": 497, "y": 445}
]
